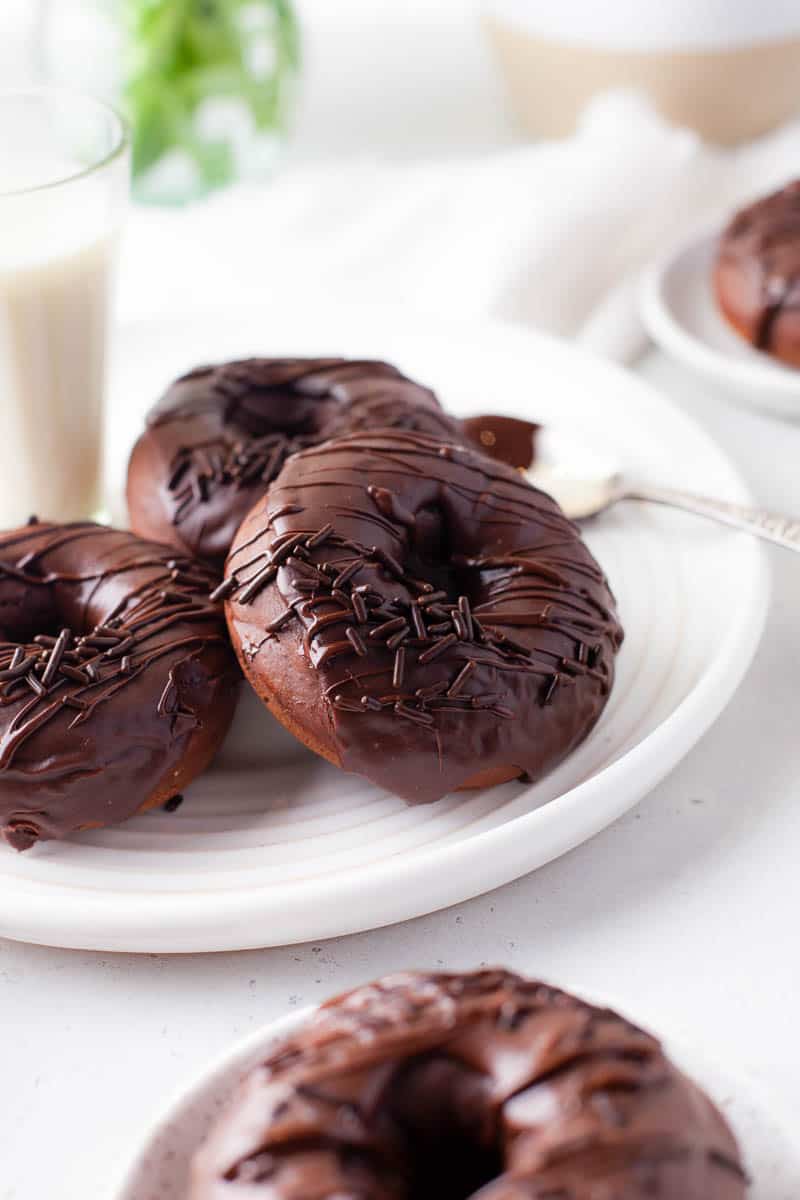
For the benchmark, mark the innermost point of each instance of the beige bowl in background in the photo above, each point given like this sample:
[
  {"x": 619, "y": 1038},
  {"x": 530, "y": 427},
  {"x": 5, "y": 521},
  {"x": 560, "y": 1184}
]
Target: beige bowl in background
[{"x": 731, "y": 71}]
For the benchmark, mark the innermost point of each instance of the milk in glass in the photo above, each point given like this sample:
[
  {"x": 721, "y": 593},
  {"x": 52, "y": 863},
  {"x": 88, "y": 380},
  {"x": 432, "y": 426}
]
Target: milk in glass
[{"x": 57, "y": 241}]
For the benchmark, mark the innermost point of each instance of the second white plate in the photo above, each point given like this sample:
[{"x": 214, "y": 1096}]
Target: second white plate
[
  {"x": 273, "y": 845},
  {"x": 680, "y": 313},
  {"x": 160, "y": 1167}
]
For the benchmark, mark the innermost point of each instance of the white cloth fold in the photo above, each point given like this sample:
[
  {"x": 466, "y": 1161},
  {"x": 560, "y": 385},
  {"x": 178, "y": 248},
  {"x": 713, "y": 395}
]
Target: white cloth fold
[{"x": 552, "y": 234}]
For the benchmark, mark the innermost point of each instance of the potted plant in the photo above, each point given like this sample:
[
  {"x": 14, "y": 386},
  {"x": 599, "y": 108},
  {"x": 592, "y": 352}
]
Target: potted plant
[{"x": 206, "y": 84}]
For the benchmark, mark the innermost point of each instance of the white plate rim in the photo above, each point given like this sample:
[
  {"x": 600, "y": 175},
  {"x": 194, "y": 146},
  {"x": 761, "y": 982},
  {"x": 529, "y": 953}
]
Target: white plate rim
[
  {"x": 246, "y": 1051},
  {"x": 760, "y": 375},
  {"x": 496, "y": 856}
]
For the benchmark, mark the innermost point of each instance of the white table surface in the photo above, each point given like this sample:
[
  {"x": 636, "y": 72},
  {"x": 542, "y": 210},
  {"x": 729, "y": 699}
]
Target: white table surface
[{"x": 685, "y": 912}]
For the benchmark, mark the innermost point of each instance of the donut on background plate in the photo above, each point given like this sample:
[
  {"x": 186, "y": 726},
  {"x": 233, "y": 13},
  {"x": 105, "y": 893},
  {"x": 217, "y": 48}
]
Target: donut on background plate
[
  {"x": 221, "y": 434},
  {"x": 117, "y": 681},
  {"x": 443, "y": 1087},
  {"x": 420, "y": 615},
  {"x": 757, "y": 274}
]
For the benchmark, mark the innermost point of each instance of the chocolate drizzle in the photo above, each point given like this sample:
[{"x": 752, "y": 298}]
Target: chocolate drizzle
[
  {"x": 758, "y": 271},
  {"x": 137, "y": 636},
  {"x": 488, "y": 590},
  {"x": 221, "y": 434},
  {"x": 442, "y": 1087}
]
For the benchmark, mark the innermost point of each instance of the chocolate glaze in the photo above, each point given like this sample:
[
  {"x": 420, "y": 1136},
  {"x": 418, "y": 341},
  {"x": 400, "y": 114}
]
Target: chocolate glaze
[
  {"x": 419, "y": 614},
  {"x": 117, "y": 682},
  {"x": 757, "y": 274},
  {"x": 508, "y": 439},
  {"x": 221, "y": 434},
  {"x": 441, "y": 1087}
]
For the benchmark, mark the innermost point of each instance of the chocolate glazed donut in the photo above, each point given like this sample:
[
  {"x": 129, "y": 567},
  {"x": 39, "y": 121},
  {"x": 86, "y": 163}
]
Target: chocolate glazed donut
[
  {"x": 420, "y": 615},
  {"x": 757, "y": 274},
  {"x": 117, "y": 683},
  {"x": 442, "y": 1087},
  {"x": 221, "y": 434}
]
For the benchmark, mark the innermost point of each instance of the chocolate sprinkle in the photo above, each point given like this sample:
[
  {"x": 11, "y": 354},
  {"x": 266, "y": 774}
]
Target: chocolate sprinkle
[
  {"x": 417, "y": 715},
  {"x": 381, "y": 632},
  {"x": 418, "y": 622},
  {"x": 359, "y": 608},
  {"x": 356, "y": 641},
  {"x": 398, "y": 669},
  {"x": 224, "y": 589},
  {"x": 550, "y": 690},
  {"x": 461, "y": 678},
  {"x": 437, "y": 649}
]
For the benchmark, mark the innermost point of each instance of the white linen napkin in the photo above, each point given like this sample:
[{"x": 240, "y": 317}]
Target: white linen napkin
[{"x": 552, "y": 234}]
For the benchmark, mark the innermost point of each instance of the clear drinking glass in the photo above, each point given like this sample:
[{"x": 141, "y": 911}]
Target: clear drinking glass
[{"x": 64, "y": 180}]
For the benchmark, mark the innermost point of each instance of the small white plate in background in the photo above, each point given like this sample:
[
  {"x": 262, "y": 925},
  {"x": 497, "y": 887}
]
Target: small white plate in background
[
  {"x": 159, "y": 1169},
  {"x": 273, "y": 845},
  {"x": 680, "y": 313}
]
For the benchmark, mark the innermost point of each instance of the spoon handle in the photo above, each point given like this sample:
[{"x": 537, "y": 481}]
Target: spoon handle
[{"x": 772, "y": 527}]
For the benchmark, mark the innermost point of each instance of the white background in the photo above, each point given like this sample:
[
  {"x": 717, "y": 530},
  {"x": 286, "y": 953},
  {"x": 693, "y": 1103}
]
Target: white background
[{"x": 685, "y": 912}]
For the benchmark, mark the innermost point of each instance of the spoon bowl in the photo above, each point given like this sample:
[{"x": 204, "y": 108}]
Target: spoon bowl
[{"x": 585, "y": 484}]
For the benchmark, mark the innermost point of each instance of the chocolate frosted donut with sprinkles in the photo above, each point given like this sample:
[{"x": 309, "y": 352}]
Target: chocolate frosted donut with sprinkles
[
  {"x": 441, "y": 1087},
  {"x": 221, "y": 434},
  {"x": 117, "y": 681},
  {"x": 420, "y": 615}
]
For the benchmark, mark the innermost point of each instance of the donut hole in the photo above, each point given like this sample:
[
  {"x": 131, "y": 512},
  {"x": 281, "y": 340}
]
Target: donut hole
[
  {"x": 433, "y": 554},
  {"x": 26, "y": 611},
  {"x": 441, "y": 1109},
  {"x": 285, "y": 412},
  {"x": 430, "y": 542},
  {"x": 31, "y": 609}
]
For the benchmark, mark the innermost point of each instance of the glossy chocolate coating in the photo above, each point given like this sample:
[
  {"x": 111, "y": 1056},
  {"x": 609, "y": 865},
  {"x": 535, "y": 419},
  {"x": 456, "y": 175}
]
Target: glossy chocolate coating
[
  {"x": 419, "y": 614},
  {"x": 757, "y": 273},
  {"x": 221, "y": 434},
  {"x": 117, "y": 682},
  {"x": 508, "y": 439},
  {"x": 441, "y": 1087}
]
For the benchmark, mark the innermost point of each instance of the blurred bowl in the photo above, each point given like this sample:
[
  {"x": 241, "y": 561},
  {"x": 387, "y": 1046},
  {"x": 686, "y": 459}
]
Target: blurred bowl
[{"x": 731, "y": 72}]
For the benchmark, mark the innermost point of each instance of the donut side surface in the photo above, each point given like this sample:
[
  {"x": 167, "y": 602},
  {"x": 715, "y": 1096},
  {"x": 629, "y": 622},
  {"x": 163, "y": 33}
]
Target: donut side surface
[
  {"x": 221, "y": 434},
  {"x": 420, "y": 615},
  {"x": 117, "y": 681},
  {"x": 486, "y": 1084}
]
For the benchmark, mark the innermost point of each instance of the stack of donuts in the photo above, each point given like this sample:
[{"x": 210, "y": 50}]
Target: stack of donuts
[
  {"x": 392, "y": 587},
  {"x": 411, "y": 608}
]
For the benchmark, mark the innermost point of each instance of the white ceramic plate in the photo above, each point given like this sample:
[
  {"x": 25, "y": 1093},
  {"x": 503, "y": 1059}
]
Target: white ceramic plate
[
  {"x": 273, "y": 845},
  {"x": 160, "y": 1168},
  {"x": 681, "y": 315}
]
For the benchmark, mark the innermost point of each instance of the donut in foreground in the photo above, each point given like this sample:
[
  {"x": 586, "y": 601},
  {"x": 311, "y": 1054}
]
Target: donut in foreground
[
  {"x": 117, "y": 682},
  {"x": 443, "y": 1087},
  {"x": 221, "y": 434},
  {"x": 757, "y": 274},
  {"x": 420, "y": 615}
]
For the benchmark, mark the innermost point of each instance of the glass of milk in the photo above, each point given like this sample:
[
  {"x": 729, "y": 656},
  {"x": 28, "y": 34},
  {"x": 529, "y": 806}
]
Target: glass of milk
[{"x": 64, "y": 177}]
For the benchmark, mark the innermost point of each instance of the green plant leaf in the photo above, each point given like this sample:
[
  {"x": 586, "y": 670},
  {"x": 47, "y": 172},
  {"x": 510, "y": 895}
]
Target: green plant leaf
[{"x": 180, "y": 54}]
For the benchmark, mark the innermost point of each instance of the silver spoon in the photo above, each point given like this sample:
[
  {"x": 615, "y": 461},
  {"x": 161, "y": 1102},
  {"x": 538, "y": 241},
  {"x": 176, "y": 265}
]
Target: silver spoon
[{"x": 584, "y": 486}]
